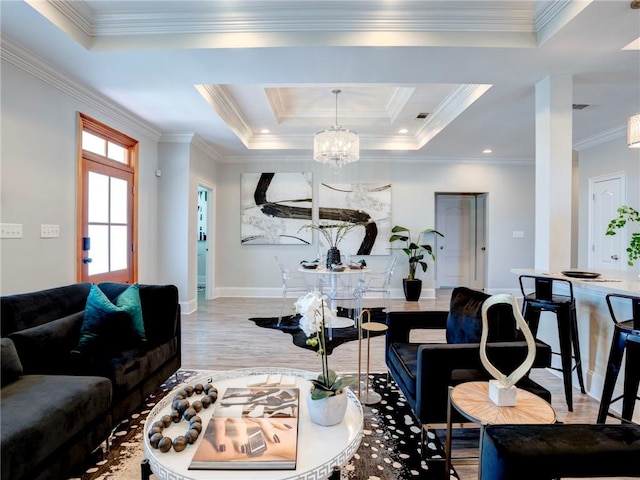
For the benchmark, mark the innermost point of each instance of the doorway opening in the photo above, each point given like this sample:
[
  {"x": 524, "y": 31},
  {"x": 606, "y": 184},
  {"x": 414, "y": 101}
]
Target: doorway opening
[
  {"x": 205, "y": 248},
  {"x": 461, "y": 255}
]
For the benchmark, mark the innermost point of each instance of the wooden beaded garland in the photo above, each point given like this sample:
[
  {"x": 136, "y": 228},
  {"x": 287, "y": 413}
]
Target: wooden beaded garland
[{"x": 181, "y": 409}]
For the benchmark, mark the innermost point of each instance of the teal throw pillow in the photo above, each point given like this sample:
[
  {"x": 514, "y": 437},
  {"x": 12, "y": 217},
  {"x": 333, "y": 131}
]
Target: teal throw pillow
[
  {"x": 111, "y": 326},
  {"x": 129, "y": 301}
]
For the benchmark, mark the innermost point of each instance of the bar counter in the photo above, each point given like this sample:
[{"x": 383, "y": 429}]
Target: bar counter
[{"x": 595, "y": 327}]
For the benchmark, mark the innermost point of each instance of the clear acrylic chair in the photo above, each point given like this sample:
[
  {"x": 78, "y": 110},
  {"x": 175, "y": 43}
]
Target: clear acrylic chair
[
  {"x": 292, "y": 283},
  {"x": 379, "y": 283}
]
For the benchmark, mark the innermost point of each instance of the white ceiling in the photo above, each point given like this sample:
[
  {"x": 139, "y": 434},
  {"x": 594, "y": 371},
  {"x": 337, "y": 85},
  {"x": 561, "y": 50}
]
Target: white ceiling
[{"x": 226, "y": 69}]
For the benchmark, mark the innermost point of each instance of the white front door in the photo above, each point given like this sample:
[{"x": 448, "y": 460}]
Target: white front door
[
  {"x": 460, "y": 255},
  {"x": 606, "y": 252}
]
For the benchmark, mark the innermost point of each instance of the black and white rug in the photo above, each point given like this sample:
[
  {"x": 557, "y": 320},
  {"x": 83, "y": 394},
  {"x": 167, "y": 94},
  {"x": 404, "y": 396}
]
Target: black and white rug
[
  {"x": 390, "y": 448},
  {"x": 337, "y": 336}
]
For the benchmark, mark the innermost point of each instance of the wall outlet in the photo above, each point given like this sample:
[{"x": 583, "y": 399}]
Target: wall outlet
[
  {"x": 49, "y": 231},
  {"x": 10, "y": 230},
  {"x": 518, "y": 234}
]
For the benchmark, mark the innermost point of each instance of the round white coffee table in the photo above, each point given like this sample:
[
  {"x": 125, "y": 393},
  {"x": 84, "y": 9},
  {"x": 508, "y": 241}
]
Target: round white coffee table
[{"x": 320, "y": 449}]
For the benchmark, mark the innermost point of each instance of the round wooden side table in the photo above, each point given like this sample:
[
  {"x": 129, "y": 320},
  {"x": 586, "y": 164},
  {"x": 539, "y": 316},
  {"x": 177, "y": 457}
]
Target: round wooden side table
[{"x": 472, "y": 400}]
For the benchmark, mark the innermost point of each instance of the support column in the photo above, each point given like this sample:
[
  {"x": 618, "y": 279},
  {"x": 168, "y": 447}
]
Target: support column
[{"x": 554, "y": 139}]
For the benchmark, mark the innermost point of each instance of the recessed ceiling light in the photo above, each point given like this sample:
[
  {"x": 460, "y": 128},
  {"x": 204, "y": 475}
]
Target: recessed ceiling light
[
  {"x": 487, "y": 150},
  {"x": 264, "y": 130},
  {"x": 403, "y": 130}
]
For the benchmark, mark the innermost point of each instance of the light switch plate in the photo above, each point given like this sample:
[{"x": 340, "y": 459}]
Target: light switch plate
[
  {"x": 10, "y": 230},
  {"x": 518, "y": 234},
  {"x": 49, "y": 231}
]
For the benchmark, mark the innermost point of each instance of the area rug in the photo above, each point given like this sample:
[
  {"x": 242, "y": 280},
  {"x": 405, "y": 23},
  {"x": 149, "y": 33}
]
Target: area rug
[
  {"x": 390, "y": 448},
  {"x": 337, "y": 336}
]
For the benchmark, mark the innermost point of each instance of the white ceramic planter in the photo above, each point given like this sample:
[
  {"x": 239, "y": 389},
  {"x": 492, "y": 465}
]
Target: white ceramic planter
[{"x": 327, "y": 411}]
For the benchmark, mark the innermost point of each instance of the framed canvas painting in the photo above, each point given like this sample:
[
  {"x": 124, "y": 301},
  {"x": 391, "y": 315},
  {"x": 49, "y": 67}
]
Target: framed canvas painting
[
  {"x": 274, "y": 206},
  {"x": 368, "y": 204}
]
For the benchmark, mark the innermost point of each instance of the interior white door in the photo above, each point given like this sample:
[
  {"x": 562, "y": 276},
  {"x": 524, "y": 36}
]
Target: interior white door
[
  {"x": 606, "y": 252},
  {"x": 481, "y": 241},
  {"x": 455, "y": 254}
]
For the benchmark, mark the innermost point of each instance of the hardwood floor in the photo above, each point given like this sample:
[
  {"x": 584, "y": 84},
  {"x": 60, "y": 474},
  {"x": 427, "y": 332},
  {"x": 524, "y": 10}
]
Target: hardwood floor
[{"x": 219, "y": 337}]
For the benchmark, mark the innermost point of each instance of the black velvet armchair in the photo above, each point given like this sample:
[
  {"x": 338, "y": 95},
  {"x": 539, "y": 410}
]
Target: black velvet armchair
[{"x": 424, "y": 371}]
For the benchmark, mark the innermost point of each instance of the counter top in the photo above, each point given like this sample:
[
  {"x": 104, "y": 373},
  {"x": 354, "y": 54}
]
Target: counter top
[{"x": 613, "y": 281}]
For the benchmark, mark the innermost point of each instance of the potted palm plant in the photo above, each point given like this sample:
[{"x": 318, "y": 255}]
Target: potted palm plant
[{"x": 416, "y": 252}]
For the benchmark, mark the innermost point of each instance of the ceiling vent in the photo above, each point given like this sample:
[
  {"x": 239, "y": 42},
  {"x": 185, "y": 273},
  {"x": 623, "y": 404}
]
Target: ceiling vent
[
  {"x": 580, "y": 106},
  {"x": 422, "y": 116}
]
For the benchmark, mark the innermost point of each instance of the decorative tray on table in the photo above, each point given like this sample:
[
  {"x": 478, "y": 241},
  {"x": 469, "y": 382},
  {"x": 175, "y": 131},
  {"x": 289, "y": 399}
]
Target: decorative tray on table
[{"x": 580, "y": 274}]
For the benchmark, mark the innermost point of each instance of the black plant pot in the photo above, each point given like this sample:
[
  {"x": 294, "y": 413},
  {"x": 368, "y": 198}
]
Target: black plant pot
[
  {"x": 333, "y": 256},
  {"x": 412, "y": 289}
]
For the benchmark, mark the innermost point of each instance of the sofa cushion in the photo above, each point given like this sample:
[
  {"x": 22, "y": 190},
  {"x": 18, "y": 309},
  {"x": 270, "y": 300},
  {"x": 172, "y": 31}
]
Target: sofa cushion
[
  {"x": 9, "y": 362},
  {"x": 26, "y": 310},
  {"x": 403, "y": 358},
  {"x": 51, "y": 341},
  {"x": 41, "y": 412},
  {"x": 110, "y": 326},
  {"x": 464, "y": 322},
  {"x": 541, "y": 452},
  {"x": 126, "y": 368}
]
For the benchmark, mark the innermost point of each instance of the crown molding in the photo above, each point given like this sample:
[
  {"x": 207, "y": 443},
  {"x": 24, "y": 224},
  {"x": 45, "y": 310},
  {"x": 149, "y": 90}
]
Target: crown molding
[
  {"x": 194, "y": 140},
  {"x": 399, "y": 99},
  {"x": 453, "y": 105},
  {"x": 222, "y": 102},
  {"x": 600, "y": 138},
  {"x": 249, "y": 23},
  {"x": 301, "y": 159},
  {"x": 30, "y": 63},
  {"x": 251, "y": 16}
]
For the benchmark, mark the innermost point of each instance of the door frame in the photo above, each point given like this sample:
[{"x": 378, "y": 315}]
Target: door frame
[
  {"x": 621, "y": 175},
  {"x": 209, "y": 289},
  {"x": 478, "y": 263}
]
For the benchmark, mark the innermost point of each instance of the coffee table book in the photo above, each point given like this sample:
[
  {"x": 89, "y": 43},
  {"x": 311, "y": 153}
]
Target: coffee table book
[{"x": 252, "y": 428}]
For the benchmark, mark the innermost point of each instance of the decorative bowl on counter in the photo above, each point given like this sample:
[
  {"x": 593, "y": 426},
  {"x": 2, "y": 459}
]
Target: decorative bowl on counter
[{"x": 580, "y": 274}]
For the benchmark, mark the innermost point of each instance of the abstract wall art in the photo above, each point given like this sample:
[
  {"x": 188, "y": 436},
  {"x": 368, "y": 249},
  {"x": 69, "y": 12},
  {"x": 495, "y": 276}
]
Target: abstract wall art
[
  {"x": 274, "y": 206},
  {"x": 368, "y": 204}
]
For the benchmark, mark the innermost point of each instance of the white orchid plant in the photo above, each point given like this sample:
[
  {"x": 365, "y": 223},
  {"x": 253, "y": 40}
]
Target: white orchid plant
[{"x": 315, "y": 314}]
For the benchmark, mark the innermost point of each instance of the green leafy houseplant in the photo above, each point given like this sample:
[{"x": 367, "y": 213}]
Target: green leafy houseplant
[
  {"x": 415, "y": 251},
  {"x": 627, "y": 214},
  {"x": 314, "y": 310}
]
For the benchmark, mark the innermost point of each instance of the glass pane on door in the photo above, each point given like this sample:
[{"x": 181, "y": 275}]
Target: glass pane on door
[
  {"x": 119, "y": 248},
  {"x": 99, "y": 252},
  {"x": 98, "y": 191},
  {"x": 118, "y": 201}
]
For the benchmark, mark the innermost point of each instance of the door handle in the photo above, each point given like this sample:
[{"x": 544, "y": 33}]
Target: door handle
[
  {"x": 87, "y": 260},
  {"x": 614, "y": 257},
  {"x": 441, "y": 247}
]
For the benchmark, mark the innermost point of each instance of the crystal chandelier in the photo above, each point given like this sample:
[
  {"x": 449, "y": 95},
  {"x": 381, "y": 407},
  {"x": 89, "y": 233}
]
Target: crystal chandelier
[
  {"x": 336, "y": 146},
  {"x": 633, "y": 131}
]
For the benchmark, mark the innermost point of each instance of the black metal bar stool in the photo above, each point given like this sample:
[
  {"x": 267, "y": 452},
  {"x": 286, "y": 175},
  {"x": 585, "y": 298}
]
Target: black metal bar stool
[
  {"x": 541, "y": 297},
  {"x": 626, "y": 339}
]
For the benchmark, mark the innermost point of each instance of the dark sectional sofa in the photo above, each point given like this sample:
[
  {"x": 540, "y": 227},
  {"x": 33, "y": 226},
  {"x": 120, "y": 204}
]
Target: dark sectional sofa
[{"x": 57, "y": 405}]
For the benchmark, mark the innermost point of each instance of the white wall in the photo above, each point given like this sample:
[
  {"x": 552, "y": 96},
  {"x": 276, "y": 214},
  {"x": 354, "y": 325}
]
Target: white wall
[
  {"x": 245, "y": 270},
  {"x": 38, "y": 181}
]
